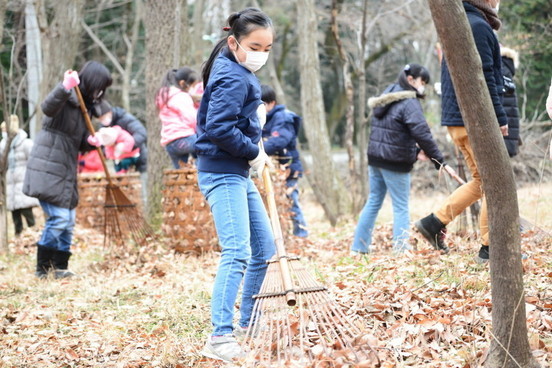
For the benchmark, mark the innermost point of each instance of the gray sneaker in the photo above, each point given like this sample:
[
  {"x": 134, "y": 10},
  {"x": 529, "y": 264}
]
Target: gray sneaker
[{"x": 224, "y": 348}]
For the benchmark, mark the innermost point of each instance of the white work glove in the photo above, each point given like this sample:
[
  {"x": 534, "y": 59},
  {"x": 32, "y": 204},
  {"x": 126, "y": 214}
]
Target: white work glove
[
  {"x": 261, "y": 113},
  {"x": 259, "y": 163}
]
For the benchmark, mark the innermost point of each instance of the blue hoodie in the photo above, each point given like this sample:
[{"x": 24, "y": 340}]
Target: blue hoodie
[
  {"x": 280, "y": 134},
  {"x": 228, "y": 127}
]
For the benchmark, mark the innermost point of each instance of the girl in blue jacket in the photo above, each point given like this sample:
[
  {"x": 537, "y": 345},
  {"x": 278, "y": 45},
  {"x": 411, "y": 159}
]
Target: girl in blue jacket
[
  {"x": 227, "y": 148},
  {"x": 399, "y": 130}
]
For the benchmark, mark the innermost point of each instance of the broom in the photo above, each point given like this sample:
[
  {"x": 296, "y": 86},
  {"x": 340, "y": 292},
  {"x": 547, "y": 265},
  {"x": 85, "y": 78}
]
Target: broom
[
  {"x": 294, "y": 319},
  {"x": 121, "y": 217},
  {"x": 523, "y": 222}
]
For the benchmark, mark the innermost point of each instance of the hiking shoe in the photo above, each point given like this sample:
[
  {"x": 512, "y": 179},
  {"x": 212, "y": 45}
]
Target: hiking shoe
[
  {"x": 224, "y": 348},
  {"x": 483, "y": 255},
  {"x": 242, "y": 332},
  {"x": 434, "y": 231}
]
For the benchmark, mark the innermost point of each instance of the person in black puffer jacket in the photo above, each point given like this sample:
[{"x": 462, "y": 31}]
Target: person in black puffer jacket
[
  {"x": 399, "y": 134},
  {"x": 510, "y": 61},
  {"x": 51, "y": 174}
]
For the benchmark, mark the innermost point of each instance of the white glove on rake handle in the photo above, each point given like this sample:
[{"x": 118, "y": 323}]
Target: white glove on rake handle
[{"x": 258, "y": 163}]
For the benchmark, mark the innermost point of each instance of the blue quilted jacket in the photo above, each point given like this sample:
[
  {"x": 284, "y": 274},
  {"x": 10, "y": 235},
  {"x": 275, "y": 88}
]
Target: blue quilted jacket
[{"x": 228, "y": 127}]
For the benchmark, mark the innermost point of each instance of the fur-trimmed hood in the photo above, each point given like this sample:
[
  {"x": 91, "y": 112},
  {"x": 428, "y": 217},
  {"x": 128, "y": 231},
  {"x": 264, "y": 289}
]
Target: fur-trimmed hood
[
  {"x": 511, "y": 54},
  {"x": 392, "y": 94},
  {"x": 389, "y": 98}
]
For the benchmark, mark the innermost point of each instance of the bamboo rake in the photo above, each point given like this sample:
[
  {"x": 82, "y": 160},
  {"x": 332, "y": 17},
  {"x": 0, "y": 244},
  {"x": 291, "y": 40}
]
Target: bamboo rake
[
  {"x": 121, "y": 217},
  {"x": 295, "y": 321}
]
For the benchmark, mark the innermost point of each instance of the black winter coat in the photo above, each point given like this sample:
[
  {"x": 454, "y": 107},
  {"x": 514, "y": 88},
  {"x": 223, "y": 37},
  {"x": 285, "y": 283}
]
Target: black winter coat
[
  {"x": 398, "y": 124},
  {"x": 51, "y": 174},
  {"x": 510, "y": 101},
  {"x": 489, "y": 51},
  {"x": 131, "y": 124}
]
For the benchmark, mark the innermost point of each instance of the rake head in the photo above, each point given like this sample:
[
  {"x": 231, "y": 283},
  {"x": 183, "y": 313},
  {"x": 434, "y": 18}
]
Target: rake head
[
  {"x": 315, "y": 329},
  {"x": 123, "y": 219}
]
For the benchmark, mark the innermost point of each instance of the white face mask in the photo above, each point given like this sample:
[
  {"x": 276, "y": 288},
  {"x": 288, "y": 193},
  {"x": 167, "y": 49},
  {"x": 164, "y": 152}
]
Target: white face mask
[
  {"x": 421, "y": 90},
  {"x": 496, "y": 9},
  {"x": 254, "y": 60}
]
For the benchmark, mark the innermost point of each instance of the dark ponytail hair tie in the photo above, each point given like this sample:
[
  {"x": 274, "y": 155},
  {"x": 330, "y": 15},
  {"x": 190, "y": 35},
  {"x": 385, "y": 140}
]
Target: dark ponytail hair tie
[{"x": 226, "y": 29}]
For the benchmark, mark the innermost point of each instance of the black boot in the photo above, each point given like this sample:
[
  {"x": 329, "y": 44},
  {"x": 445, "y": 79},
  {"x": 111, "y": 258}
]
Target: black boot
[
  {"x": 483, "y": 255},
  {"x": 434, "y": 231},
  {"x": 44, "y": 259},
  {"x": 61, "y": 262}
]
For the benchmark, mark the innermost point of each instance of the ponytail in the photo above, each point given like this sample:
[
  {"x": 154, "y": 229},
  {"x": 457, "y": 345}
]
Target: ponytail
[
  {"x": 240, "y": 24},
  {"x": 173, "y": 78},
  {"x": 416, "y": 71}
]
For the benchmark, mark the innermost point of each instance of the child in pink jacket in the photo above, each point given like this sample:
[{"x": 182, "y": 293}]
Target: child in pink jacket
[
  {"x": 178, "y": 114},
  {"x": 119, "y": 146}
]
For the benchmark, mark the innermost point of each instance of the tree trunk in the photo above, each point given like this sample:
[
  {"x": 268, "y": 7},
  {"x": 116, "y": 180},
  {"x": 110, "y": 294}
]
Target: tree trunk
[
  {"x": 34, "y": 63},
  {"x": 362, "y": 132},
  {"x": 160, "y": 39},
  {"x": 60, "y": 41},
  {"x": 353, "y": 182},
  {"x": 197, "y": 34},
  {"x": 510, "y": 345},
  {"x": 3, "y": 155},
  {"x": 324, "y": 179}
]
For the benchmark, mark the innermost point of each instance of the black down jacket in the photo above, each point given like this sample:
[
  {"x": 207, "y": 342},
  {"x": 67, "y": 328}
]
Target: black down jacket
[
  {"x": 510, "y": 102},
  {"x": 52, "y": 167},
  {"x": 398, "y": 124}
]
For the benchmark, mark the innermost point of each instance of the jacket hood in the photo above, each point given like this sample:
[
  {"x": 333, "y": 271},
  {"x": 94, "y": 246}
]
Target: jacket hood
[
  {"x": 381, "y": 104},
  {"x": 510, "y": 54},
  {"x": 19, "y": 138}
]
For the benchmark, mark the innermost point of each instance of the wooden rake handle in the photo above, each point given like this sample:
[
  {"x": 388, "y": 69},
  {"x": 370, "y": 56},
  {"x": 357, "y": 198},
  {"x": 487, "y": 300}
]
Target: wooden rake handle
[
  {"x": 278, "y": 238},
  {"x": 92, "y": 131}
]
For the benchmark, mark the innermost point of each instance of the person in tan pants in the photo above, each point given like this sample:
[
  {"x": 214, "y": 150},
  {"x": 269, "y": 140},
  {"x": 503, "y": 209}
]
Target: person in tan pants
[{"x": 483, "y": 18}]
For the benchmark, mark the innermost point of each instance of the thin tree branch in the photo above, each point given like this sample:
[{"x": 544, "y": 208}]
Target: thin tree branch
[{"x": 103, "y": 47}]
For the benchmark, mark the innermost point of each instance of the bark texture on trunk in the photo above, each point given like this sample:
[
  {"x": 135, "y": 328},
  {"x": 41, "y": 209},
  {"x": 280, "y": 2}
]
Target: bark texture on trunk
[
  {"x": 510, "y": 345},
  {"x": 326, "y": 184},
  {"x": 160, "y": 56}
]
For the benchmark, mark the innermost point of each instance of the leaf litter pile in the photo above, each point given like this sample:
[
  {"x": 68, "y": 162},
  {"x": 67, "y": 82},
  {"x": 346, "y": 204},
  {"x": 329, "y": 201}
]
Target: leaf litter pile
[{"x": 149, "y": 307}]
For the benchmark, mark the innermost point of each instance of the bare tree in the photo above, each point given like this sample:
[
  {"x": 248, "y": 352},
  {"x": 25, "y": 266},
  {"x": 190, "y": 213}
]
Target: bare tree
[
  {"x": 59, "y": 22},
  {"x": 160, "y": 39},
  {"x": 510, "y": 345},
  {"x": 4, "y": 154},
  {"x": 34, "y": 62},
  {"x": 326, "y": 184}
]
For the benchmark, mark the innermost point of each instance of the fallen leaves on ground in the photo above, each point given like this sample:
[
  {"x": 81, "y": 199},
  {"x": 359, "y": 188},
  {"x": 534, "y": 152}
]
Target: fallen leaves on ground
[{"x": 149, "y": 306}]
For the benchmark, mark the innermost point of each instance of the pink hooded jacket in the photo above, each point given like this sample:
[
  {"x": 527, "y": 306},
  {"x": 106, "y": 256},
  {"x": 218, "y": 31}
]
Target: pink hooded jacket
[
  {"x": 118, "y": 143},
  {"x": 177, "y": 115}
]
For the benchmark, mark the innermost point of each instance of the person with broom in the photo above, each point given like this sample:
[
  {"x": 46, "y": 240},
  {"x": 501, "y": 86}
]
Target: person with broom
[
  {"x": 399, "y": 136},
  {"x": 483, "y": 19},
  {"x": 227, "y": 149},
  {"x": 51, "y": 174}
]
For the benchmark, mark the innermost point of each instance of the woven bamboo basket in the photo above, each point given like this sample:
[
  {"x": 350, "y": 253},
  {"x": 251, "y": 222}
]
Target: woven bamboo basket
[
  {"x": 90, "y": 211},
  {"x": 187, "y": 220}
]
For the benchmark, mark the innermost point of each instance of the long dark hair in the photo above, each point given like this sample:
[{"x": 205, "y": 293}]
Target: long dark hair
[
  {"x": 94, "y": 78},
  {"x": 173, "y": 78},
  {"x": 414, "y": 70},
  {"x": 240, "y": 24}
]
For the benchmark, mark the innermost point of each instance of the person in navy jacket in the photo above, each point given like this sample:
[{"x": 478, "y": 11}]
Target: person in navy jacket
[
  {"x": 280, "y": 140},
  {"x": 483, "y": 18},
  {"x": 399, "y": 132},
  {"x": 227, "y": 147}
]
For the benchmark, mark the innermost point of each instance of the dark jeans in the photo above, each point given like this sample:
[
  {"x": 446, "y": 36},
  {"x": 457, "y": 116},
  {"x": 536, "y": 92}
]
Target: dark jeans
[
  {"x": 17, "y": 216},
  {"x": 180, "y": 149}
]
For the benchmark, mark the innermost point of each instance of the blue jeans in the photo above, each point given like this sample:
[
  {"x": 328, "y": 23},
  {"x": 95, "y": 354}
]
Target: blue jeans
[
  {"x": 299, "y": 224},
  {"x": 180, "y": 149},
  {"x": 246, "y": 240},
  {"x": 398, "y": 184},
  {"x": 58, "y": 229}
]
